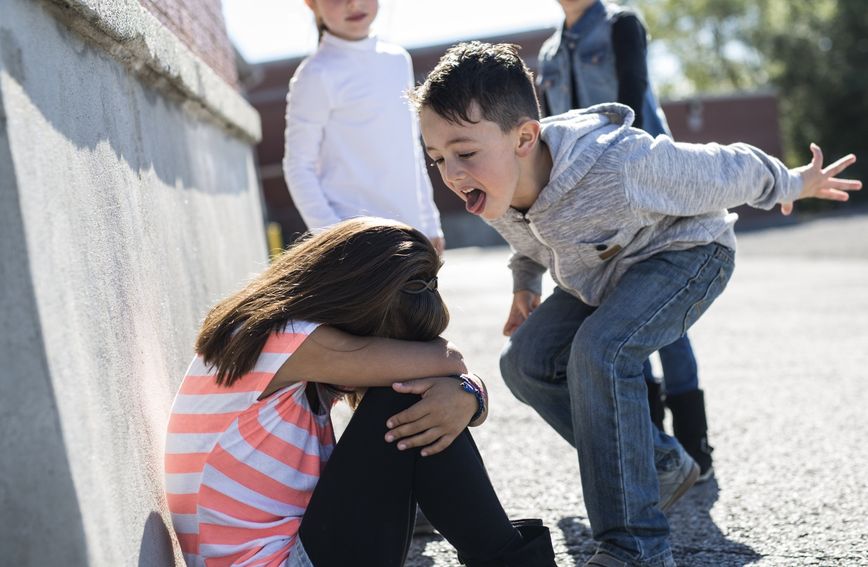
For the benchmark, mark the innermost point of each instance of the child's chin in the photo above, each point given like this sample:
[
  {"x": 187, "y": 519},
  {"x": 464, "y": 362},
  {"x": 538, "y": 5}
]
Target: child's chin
[{"x": 492, "y": 214}]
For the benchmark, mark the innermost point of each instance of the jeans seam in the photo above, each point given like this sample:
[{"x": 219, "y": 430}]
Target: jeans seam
[
  {"x": 619, "y": 438},
  {"x": 618, "y": 350}
]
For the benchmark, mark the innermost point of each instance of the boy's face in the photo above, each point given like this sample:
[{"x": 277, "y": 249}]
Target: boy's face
[{"x": 477, "y": 161}]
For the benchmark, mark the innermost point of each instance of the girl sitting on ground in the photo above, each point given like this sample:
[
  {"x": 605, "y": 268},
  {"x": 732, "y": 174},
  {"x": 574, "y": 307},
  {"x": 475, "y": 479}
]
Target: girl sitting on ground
[{"x": 253, "y": 473}]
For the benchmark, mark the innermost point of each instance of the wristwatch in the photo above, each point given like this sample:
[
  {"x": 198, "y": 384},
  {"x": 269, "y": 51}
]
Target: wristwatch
[{"x": 469, "y": 386}]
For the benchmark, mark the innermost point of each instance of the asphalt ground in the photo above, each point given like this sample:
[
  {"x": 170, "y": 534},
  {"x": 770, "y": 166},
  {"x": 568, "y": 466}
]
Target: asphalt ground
[{"x": 783, "y": 358}]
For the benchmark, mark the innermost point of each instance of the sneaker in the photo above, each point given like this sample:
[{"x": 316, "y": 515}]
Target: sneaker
[
  {"x": 603, "y": 559},
  {"x": 674, "y": 483}
]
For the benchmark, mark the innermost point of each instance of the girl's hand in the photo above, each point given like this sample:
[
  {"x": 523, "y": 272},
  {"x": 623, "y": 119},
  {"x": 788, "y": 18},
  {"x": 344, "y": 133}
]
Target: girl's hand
[
  {"x": 523, "y": 304},
  {"x": 436, "y": 420},
  {"x": 821, "y": 182}
]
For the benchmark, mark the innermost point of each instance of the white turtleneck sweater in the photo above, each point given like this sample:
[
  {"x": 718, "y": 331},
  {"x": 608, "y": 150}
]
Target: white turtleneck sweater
[{"x": 352, "y": 140}]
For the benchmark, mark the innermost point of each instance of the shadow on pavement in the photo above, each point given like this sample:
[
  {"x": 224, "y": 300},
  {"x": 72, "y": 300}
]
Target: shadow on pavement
[
  {"x": 578, "y": 538},
  {"x": 696, "y": 539}
]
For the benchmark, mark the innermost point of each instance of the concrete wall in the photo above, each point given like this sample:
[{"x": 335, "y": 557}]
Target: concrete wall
[{"x": 128, "y": 204}]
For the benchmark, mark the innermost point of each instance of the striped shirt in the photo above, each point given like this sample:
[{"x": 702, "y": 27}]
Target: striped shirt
[{"x": 240, "y": 471}]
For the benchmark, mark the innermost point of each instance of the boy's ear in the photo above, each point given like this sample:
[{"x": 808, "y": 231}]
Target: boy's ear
[{"x": 528, "y": 136}]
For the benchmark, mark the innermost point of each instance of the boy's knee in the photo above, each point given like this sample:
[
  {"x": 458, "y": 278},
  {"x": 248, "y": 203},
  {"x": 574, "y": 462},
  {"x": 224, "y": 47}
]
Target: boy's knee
[
  {"x": 592, "y": 345},
  {"x": 590, "y": 338},
  {"x": 510, "y": 362},
  {"x": 600, "y": 353},
  {"x": 516, "y": 370}
]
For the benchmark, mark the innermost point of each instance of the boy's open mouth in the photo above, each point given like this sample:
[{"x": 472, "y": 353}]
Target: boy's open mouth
[{"x": 475, "y": 201}]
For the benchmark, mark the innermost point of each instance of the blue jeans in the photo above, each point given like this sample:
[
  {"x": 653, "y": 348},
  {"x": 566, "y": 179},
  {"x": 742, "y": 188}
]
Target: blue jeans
[
  {"x": 580, "y": 368},
  {"x": 679, "y": 368}
]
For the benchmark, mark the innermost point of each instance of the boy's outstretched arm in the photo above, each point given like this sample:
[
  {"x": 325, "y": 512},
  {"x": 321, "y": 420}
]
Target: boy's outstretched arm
[{"x": 820, "y": 182}]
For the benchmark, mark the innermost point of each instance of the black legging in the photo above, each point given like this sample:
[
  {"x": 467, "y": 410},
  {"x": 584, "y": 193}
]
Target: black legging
[{"x": 361, "y": 512}]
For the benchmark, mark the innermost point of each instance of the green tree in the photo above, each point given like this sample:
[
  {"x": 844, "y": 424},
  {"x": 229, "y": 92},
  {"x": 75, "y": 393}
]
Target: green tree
[{"x": 814, "y": 53}]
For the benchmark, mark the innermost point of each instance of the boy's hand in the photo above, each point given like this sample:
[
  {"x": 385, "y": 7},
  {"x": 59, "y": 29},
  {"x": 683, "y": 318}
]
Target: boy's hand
[
  {"x": 435, "y": 421},
  {"x": 821, "y": 182},
  {"x": 523, "y": 304}
]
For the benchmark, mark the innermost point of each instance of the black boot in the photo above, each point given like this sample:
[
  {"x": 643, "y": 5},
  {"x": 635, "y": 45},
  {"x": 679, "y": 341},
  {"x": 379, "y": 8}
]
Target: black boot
[
  {"x": 691, "y": 428},
  {"x": 535, "y": 550},
  {"x": 655, "y": 403}
]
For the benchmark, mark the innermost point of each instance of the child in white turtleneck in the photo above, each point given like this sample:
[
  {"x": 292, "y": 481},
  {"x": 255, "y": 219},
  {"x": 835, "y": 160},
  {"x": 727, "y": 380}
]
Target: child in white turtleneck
[{"x": 352, "y": 142}]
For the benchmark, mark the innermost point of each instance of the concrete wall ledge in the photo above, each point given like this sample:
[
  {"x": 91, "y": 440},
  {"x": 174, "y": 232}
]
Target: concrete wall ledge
[{"x": 126, "y": 30}]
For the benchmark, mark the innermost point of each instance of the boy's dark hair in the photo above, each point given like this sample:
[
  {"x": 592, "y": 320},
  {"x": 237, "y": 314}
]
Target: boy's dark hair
[{"x": 492, "y": 75}]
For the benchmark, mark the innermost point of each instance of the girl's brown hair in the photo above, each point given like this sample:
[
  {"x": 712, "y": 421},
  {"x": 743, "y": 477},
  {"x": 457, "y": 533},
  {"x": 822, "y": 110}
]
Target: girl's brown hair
[{"x": 357, "y": 276}]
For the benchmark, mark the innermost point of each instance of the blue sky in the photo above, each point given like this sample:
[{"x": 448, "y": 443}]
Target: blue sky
[{"x": 273, "y": 29}]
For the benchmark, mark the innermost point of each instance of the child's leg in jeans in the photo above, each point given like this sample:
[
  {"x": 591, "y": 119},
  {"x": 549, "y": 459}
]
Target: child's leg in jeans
[
  {"x": 679, "y": 377},
  {"x": 362, "y": 508},
  {"x": 679, "y": 367},
  {"x": 653, "y": 304}
]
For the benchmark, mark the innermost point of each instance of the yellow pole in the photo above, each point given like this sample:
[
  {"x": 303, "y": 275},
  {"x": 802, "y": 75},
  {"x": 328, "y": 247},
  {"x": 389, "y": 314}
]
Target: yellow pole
[{"x": 275, "y": 239}]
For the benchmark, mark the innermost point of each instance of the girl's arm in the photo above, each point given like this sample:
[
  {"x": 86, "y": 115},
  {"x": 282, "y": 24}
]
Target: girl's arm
[
  {"x": 307, "y": 111},
  {"x": 334, "y": 357}
]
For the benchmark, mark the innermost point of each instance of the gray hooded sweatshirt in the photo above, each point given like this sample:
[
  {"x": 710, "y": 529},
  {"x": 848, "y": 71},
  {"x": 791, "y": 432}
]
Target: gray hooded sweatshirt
[{"x": 617, "y": 196}]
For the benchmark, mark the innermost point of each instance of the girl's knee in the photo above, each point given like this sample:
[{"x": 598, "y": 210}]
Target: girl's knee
[{"x": 386, "y": 400}]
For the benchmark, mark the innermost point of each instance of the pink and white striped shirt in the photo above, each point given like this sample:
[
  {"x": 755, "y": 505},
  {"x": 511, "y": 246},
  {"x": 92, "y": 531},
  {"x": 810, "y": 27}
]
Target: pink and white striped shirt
[{"x": 240, "y": 471}]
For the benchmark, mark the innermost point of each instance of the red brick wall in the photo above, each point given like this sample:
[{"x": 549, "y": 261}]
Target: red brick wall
[{"x": 199, "y": 24}]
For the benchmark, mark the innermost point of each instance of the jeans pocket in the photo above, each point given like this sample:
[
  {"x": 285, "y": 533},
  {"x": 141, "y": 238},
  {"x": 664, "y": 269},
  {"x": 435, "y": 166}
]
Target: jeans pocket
[{"x": 714, "y": 289}]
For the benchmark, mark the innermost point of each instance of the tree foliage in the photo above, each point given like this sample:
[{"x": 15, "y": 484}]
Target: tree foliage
[{"x": 813, "y": 53}]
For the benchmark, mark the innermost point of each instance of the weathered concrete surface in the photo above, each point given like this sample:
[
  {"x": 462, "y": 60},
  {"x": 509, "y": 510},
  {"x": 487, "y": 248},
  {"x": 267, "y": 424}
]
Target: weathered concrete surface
[
  {"x": 136, "y": 38},
  {"x": 123, "y": 216},
  {"x": 783, "y": 359}
]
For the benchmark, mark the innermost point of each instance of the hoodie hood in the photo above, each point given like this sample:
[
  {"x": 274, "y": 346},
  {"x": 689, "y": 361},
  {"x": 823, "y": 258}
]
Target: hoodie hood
[{"x": 576, "y": 140}]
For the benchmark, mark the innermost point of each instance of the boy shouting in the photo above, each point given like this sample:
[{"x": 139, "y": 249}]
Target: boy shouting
[{"x": 637, "y": 237}]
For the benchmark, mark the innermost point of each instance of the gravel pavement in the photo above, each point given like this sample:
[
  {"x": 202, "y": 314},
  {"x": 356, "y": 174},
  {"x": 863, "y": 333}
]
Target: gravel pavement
[{"x": 783, "y": 358}]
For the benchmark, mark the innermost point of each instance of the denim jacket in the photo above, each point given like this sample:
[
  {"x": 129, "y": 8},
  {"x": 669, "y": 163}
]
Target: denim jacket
[{"x": 588, "y": 48}]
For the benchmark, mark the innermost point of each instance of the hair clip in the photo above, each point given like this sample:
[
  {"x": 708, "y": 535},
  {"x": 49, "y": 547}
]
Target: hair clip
[{"x": 418, "y": 286}]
